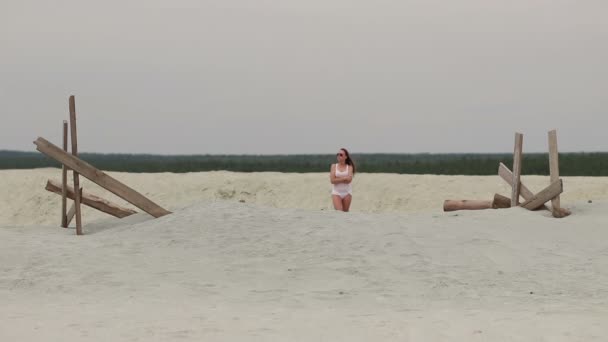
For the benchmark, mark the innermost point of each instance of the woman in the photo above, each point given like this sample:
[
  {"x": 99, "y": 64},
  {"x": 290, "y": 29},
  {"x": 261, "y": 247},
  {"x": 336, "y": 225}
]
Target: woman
[{"x": 341, "y": 175}]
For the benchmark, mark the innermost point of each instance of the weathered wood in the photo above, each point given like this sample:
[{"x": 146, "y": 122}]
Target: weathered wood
[
  {"x": 507, "y": 176},
  {"x": 501, "y": 202},
  {"x": 498, "y": 202},
  {"x": 453, "y": 205},
  {"x": 72, "y": 211},
  {"x": 545, "y": 195},
  {"x": 70, "y": 214},
  {"x": 517, "y": 154},
  {"x": 74, "y": 139},
  {"x": 505, "y": 173},
  {"x": 64, "y": 179},
  {"x": 100, "y": 178},
  {"x": 92, "y": 201},
  {"x": 554, "y": 170}
]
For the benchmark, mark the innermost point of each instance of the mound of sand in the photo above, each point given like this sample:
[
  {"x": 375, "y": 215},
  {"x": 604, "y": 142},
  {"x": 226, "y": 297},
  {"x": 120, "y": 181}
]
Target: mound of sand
[
  {"x": 25, "y": 201},
  {"x": 222, "y": 270}
]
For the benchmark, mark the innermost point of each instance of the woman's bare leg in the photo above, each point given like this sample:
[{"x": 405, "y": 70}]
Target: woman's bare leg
[
  {"x": 346, "y": 202},
  {"x": 337, "y": 202}
]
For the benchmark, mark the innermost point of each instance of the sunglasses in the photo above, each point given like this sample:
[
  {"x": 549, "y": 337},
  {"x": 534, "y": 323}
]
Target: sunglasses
[{"x": 340, "y": 154}]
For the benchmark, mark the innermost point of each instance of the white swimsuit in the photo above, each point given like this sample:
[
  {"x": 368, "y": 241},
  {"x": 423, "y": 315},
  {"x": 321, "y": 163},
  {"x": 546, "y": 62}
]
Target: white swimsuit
[{"x": 341, "y": 189}]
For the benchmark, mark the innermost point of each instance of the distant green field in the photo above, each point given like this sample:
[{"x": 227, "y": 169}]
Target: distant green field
[{"x": 571, "y": 164}]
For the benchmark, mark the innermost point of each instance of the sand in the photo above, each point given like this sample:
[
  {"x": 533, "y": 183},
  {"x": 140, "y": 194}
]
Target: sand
[{"x": 278, "y": 268}]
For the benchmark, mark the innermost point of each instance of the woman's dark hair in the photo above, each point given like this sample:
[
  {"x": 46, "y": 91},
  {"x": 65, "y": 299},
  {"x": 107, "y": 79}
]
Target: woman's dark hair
[{"x": 349, "y": 160}]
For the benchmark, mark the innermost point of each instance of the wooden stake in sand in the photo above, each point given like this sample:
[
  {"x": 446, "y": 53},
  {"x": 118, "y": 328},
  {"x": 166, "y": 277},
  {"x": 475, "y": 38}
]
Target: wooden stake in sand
[
  {"x": 64, "y": 179},
  {"x": 75, "y": 153},
  {"x": 517, "y": 155},
  {"x": 92, "y": 201},
  {"x": 554, "y": 170},
  {"x": 100, "y": 178}
]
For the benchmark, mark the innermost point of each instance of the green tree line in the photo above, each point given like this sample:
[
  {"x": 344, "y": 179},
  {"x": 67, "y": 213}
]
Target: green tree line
[{"x": 571, "y": 164}]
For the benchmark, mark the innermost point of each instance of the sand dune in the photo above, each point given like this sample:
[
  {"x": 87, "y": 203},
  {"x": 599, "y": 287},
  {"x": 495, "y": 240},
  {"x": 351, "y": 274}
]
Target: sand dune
[
  {"x": 277, "y": 268},
  {"x": 26, "y": 202}
]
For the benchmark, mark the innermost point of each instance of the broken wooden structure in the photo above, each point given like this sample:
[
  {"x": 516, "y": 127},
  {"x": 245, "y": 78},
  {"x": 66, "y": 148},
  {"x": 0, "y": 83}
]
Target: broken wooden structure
[
  {"x": 70, "y": 161},
  {"x": 518, "y": 189}
]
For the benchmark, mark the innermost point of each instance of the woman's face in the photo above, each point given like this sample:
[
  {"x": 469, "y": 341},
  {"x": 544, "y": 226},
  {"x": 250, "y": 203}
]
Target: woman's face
[{"x": 341, "y": 156}]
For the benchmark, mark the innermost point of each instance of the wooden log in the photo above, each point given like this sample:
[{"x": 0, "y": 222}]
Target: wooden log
[
  {"x": 100, "y": 178},
  {"x": 93, "y": 201},
  {"x": 74, "y": 139},
  {"x": 72, "y": 211},
  {"x": 452, "y": 205},
  {"x": 498, "y": 202},
  {"x": 507, "y": 176},
  {"x": 517, "y": 155},
  {"x": 501, "y": 202},
  {"x": 64, "y": 179},
  {"x": 545, "y": 195},
  {"x": 554, "y": 170}
]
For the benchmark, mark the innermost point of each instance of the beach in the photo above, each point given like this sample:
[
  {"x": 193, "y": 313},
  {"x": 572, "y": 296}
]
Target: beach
[{"x": 264, "y": 257}]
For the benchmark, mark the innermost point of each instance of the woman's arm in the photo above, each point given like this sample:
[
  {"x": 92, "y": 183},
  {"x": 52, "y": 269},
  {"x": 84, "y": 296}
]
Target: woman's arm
[
  {"x": 337, "y": 180},
  {"x": 348, "y": 178}
]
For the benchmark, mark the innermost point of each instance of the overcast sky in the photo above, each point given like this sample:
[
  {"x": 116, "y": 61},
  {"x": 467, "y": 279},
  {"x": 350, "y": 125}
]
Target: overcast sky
[{"x": 308, "y": 76}]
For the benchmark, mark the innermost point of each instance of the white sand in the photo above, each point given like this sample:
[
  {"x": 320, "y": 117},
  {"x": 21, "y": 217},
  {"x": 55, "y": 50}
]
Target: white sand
[{"x": 276, "y": 268}]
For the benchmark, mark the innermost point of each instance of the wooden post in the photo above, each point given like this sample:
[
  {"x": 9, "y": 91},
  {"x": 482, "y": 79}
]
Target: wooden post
[
  {"x": 75, "y": 153},
  {"x": 554, "y": 170},
  {"x": 517, "y": 155},
  {"x": 100, "y": 178},
  {"x": 64, "y": 179}
]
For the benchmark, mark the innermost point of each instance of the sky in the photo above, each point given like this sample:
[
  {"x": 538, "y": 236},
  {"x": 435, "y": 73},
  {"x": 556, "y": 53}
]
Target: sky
[{"x": 309, "y": 76}]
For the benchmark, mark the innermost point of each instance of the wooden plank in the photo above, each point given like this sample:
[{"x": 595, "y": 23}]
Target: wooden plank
[
  {"x": 517, "y": 154},
  {"x": 100, "y": 178},
  {"x": 92, "y": 201},
  {"x": 74, "y": 140},
  {"x": 545, "y": 195},
  {"x": 507, "y": 175},
  {"x": 64, "y": 179},
  {"x": 554, "y": 170}
]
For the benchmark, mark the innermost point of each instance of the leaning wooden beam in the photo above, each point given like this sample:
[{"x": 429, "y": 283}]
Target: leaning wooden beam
[
  {"x": 72, "y": 211},
  {"x": 554, "y": 169},
  {"x": 544, "y": 196},
  {"x": 64, "y": 179},
  {"x": 70, "y": 214},
  {"x": 74, "y": 140},
  {"x": 100, "y": 178},
  {"x": 507, "y": 176},
  {"x": 92, "y": 201},
  {"x": 517, "y": 154}
]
